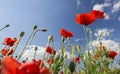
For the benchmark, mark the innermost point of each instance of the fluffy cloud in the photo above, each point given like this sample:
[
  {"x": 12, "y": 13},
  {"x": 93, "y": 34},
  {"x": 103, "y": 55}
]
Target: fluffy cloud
[
  {"x": 103, "y": 32},
  {"x": 108, "y": 43},
  {"x": 116, "y": 6},
  {"x": 29, "y": 53},
  {"x": 101, "y": 6},
  {"x": 118, "y": 18},
  {"x": 78, "y": 3}
]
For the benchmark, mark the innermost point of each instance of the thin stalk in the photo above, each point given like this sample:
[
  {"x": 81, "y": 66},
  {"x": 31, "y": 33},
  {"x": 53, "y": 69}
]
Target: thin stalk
[
  {"x": 44, "y": 54},
  {"x": 27, "y": 42},
  {"x": 35, "y": 52},
  {"x": 16, "y": 45},
  {"x": 85, "y": 33}
]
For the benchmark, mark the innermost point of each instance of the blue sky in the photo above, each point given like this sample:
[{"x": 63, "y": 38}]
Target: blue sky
[{"x": 53, "y": 15}]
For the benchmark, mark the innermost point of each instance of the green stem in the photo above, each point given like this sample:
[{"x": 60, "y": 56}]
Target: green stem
[
  {"x": 85, "y": 33},
  {"x": 27, "y": 43},
  {"x": 17, "y": 45},
  {"x": 44, "y": 54},
  {"x": 34, "y": 54}
]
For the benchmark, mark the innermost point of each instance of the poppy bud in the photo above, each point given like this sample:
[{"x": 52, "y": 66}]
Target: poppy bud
[
  {"x": 36, "y": 48},
  {"x": 43, "y": 29},
  {"x": 72, "y": 67},
  {"x": 108, "y": 33},
  {"x": 7, "y": 25},
  {"x": 50, "y": 38},
  {"x": 34, "y": 27},
  {"x": 22, "y": 34},
  {"x": 78, "y": 47}
]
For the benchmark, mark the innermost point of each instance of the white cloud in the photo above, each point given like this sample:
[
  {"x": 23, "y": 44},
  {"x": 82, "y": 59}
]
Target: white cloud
[
  {"x": 103, "y": 32},
  {"x": 29, "y": 53},
  {"x": 107, "y": 16},
  {"x": 78, "y": 3},
  {"x": 116, "y": 6},
  {"x": 108, "y": 1},
  {"x": 101, "y": 6},
  {"x": 78, "y": 40},
  {"x": 109, "y": 44},
  {"x": 118, "y": 18}
]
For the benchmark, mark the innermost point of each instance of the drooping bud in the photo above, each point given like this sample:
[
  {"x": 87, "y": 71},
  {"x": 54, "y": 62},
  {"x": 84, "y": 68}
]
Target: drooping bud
[
  {"x": 50, "y": 38},
  {"x": 7, "y": 25},
  {"x": 34, "y": 27},
  {"x": 22, "y": 34},
  {"x": 43, "y": 29}
]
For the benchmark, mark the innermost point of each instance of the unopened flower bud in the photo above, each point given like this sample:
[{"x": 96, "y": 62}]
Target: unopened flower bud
[
  {"x": 22, "y": 34},
  {"x": 36, "y": 48},
  {"x": 35, "y": 27},
  {"x": 78, "y": 47},
  {"x": 43, "y": 29},
  {"x": 7, "y": 25},
  {"x": 50, "y": 38},
  {"x": 72, "y": 67},
  {"x": 108, "y": 33}
]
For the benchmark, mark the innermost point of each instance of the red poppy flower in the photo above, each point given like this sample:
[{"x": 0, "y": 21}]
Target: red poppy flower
[
  {"x": 50, "y": 61},
  {"x": 49, "y": 50},
  {"x": 112, "y": 54},
  {"x": 30, "y": 67},
  {"x": 6, "y": 51},
  {"x": 9, "y": 66},
  {"x": 24, "y": 61},
  {"x": 65, "y": 33},
  {"x": 39, "y": 62},
  {"x": 101, "y": 47},
  {"x": 85, "y": 19},
  {"x": 77, "y": 59},
  {"x": 45, "y": 71},
  {"x": 96, "y": 56},
  {"x": 98, "y": 14},
  {"x": 8, "y": 41}
]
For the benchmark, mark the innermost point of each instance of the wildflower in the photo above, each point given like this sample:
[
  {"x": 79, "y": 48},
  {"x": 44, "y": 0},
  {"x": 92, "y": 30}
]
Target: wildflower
[
  {"x": 9, "y": 66},
  {"x": 77, "y": 59},
  {"x": 112, "y": 54},
  {"x": 29, "y": 68},
  {"x": 96, "y": 56},
  {"x": 49, "y": 50},
  {"x": 6, "y": 51},
  {"x": 65, "y": 33},
  {"x": 85, "y": 19},
  {"x": 50, "y": 61},
  {"x": 98, "y": 14},
  {"x": 24, "y": 61},
  {"x": 45, "y": 71},
  {"x": 9, "y": 42}
]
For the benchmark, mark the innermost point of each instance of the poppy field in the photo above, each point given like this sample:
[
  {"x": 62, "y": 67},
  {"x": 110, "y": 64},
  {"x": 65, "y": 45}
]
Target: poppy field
[{"x": 96, "y": 62}]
